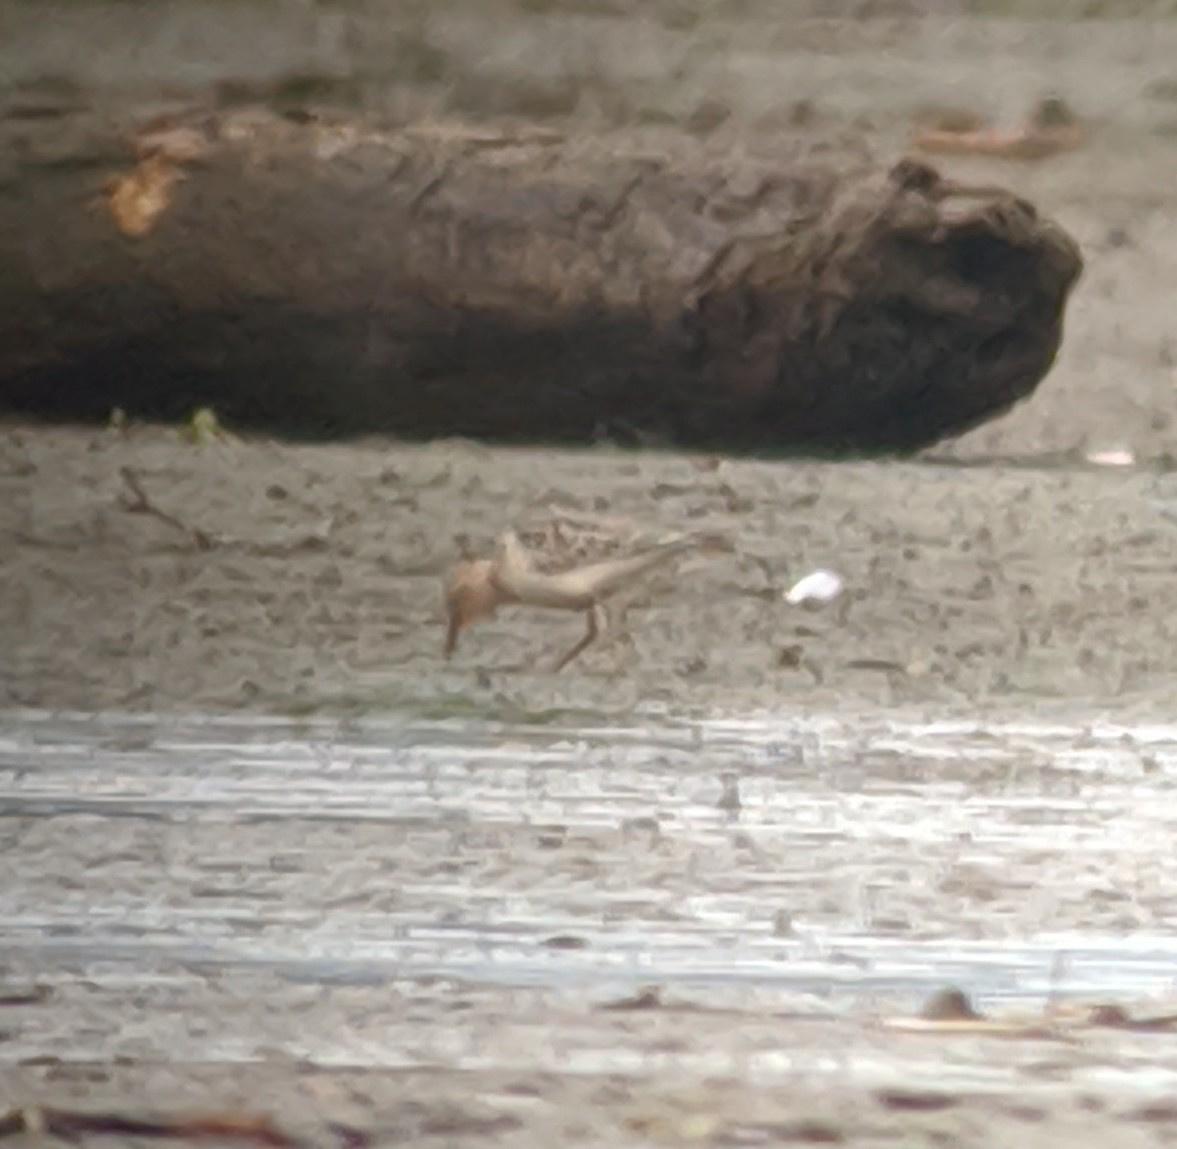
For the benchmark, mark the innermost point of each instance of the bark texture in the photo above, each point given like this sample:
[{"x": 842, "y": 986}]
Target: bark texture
[{"x": 512, "y": 284}]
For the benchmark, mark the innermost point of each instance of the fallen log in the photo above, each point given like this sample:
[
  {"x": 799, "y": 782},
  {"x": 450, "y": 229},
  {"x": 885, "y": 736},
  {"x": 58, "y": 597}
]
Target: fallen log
[{"x": 512, "y": 284}]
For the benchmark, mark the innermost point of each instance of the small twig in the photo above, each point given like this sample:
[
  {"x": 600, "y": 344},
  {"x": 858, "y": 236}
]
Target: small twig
[
  {"x": 140, "y": 504},
  {"x": 17, "y": 464},
  {"x": 72, "y": 1126},
  {"x": 13, "y": 469},
  {"x": 32, "y": 996},
  {"x": 252, "y": 1129}
]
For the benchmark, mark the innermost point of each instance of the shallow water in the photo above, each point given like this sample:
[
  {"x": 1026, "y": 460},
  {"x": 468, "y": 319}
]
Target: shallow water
[{"x": 810, "y": 864}]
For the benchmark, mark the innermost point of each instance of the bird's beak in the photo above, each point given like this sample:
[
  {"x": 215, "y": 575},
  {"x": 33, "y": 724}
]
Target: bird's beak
[{"x": 454, "y": 629}]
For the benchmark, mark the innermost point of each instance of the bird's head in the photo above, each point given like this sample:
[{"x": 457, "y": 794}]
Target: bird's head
[{"x": 470, "y": 597}]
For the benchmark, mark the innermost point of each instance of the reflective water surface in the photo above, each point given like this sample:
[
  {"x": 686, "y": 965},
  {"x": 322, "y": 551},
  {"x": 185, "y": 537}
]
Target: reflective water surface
[{"x": 799, "y": 865}]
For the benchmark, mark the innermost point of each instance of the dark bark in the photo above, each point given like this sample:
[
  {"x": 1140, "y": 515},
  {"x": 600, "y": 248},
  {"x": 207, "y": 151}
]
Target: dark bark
[{"x": 515, "y": 284}]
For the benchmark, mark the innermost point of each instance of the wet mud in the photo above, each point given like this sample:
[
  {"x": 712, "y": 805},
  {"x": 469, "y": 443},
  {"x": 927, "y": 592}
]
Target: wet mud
[{"x": 302, "y": 579}]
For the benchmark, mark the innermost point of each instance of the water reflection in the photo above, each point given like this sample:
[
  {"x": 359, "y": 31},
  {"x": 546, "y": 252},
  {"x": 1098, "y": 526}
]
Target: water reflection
[{"x": 863, "y": 859}]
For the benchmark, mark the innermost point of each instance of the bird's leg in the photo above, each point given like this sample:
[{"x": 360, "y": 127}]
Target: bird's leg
[{"x": 597, "y": 622}]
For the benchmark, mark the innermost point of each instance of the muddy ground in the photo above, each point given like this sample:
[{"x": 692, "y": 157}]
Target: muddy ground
[
  {"x": 1002, "y": 575},
  {"x": 313, "y": 587},
  {"x": 506, "y": 1109},
  {"x": 318, "y": 584}
]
